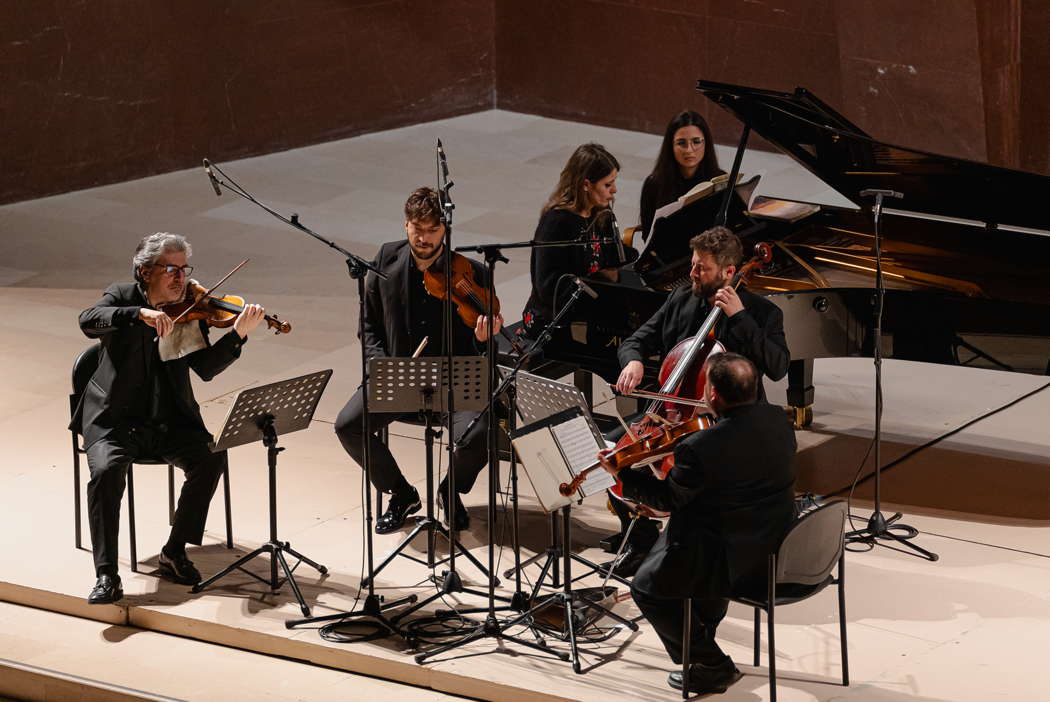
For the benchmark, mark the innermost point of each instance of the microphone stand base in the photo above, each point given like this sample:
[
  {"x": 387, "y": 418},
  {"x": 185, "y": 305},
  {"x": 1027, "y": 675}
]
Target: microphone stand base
[{"x": 881, "y": 528}]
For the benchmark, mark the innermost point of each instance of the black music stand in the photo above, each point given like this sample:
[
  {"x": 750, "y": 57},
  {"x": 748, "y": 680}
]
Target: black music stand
[
  {"x": 548, "y": 461},
  {"x": 264, "y": 413},
  {"x": 419, "y": 385},
  {"x": 537, "y": 399}
]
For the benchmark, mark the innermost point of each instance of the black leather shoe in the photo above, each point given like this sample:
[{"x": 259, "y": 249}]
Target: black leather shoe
[
  {"x": 462, "y": 519},
  {"x": 397, "y": 510},
  {"x": 611, "y": 543},
  {"x": 179, "y": 568},
  {"x": 628, "y": 562},
  {"x": 107, "y": 589},
  {"x": 707, "y": 680}
]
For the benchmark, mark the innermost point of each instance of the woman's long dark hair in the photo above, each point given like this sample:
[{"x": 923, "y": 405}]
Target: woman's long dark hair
[{"x": 666, "y": 173}]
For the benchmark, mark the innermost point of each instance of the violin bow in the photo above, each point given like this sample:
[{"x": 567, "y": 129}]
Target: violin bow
[{"x": 211, "y": 289}]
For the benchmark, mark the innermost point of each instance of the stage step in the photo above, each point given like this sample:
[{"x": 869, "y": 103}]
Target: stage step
[{"x": 50, "y": 656}]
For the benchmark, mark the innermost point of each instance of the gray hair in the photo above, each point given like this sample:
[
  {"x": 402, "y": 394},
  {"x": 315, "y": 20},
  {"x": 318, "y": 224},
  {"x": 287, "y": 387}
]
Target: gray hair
[{"x": 153, "y": 245}]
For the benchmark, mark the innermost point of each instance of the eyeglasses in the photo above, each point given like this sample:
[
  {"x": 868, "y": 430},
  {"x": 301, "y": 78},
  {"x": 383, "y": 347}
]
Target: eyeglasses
[
  {"x": 171, "y": 269},
  {"x": 695, "y": 142}
]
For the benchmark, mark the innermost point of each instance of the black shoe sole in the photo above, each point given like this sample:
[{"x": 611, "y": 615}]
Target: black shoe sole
[
  {"x": 464, "y": 526},
  {"x": 408, "y": 513},
  {"x": 117, "y": 596},
  {"x": 714, "y": 690},
  {"x": 169, "y": 571}
]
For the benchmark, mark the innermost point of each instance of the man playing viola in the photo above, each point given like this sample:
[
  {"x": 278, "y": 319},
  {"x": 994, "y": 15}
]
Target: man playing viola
[
  {"x": 399, "y": 316},
  {"x": 750, "y": 325},
  {"x": 731, "y": 499},
  {"x": 139, "y": 403}
]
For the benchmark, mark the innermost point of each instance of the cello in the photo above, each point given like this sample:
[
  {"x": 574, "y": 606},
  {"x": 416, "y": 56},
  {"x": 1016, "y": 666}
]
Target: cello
[{"x": 651, "y": 441}]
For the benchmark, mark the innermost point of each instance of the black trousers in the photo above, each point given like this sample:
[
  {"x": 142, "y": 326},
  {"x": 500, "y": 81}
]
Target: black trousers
[
  {"x": 386, "y": 475},
  {"x": 108, "y": 460},
  {"x": 666, "y": 616}
]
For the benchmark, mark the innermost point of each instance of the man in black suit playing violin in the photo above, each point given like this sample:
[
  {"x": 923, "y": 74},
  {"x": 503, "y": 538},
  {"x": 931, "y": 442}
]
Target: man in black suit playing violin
[
  {"x": 137, "y": 404},
  {"x": 749, "y": 325},
  {"x": 731, "y": 499},
  {"x": 399, "y": 316}
]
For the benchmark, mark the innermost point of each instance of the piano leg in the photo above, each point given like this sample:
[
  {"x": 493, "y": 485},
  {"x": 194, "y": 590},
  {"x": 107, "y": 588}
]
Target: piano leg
[{"x": 800, "y": 392}]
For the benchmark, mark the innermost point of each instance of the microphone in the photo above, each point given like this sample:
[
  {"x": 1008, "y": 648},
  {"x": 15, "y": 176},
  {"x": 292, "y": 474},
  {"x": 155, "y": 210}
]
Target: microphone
[
  {"x": 211, "y": 177},
  {"x": 443, "y": 162},
  {"x": 586, "y": 288}
]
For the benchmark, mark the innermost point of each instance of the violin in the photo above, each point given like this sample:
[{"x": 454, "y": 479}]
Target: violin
[
  {"x": 216, "y": 311},
  {"x": 651, "y": 441},
  {"x": 471, "y": 300}
]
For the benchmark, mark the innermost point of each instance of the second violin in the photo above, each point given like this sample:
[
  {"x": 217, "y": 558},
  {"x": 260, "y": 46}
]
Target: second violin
[{"x": 471, "y": 299}]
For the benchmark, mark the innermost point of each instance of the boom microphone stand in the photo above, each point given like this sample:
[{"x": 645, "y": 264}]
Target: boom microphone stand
[
  {"x": 492, "y": 627},
  {"x": 878, "y": 526},
  {"x": 357, "y": 268}
]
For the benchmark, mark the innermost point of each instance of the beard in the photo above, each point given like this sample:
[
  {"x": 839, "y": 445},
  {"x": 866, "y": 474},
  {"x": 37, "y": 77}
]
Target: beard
[
  {"x": 706, "y": 290},
  {"x": 425, "y": 252}
]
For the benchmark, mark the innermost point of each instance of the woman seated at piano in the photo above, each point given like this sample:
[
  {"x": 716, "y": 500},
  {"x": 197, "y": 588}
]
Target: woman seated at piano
[
  {"x": 687, "y": 157},
  {"x": 578, "y": 209}
]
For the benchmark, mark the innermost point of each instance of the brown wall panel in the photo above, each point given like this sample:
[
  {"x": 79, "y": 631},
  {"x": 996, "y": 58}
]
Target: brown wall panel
[
  {"x": 998, "y": 25},
  {"x": 775, "y": 55},
  {"x": 634, "y": 64},
  {"x": 616, "y": 64},
  {"x": 108, "y": 90},
  {"x": 1034, "y": 117},
  {"x": 911, "y": 73},
  {"x": 103, "y": 91},
  {"x": 939, "y": 75}
]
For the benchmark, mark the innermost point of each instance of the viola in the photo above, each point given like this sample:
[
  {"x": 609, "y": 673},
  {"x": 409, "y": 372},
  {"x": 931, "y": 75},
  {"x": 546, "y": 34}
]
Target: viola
[
  {"x": 471, "y": 299},
  {"x": 682, "y": 375},
  {"x": 654, "y": 447},
  {"x": 220, "y": 312}
]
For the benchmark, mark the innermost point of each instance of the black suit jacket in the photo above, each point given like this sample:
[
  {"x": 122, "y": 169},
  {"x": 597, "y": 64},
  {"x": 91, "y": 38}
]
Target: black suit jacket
[
  {"x": 757, "y": 332},
  {"x": 121, "y": 375},
  {"x": 731, "y": 498},
  {"x": 387, "y": 314}
]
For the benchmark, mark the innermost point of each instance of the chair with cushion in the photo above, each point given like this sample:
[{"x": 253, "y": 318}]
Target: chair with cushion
[
  {"x": 801, "y": 567},
  {"x": 83, "y": 368}
]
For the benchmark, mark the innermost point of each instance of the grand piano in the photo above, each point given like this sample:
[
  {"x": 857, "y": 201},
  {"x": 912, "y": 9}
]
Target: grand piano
[{"x": 965, "y": 252}]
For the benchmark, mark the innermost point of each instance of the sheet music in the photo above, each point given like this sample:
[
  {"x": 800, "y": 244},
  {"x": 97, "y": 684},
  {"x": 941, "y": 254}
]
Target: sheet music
[
  {"x": 577, "y": 442},
  {"x": 544, "y": 466},
  {"x": 580, "y": 448}
]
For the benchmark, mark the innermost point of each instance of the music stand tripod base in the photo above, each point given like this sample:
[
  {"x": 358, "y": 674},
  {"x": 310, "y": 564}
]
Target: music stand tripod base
[
  {"x": 420, "y": 385},
  {"x": 536, "y": 399},
  {"x": 264, "y": 413}
]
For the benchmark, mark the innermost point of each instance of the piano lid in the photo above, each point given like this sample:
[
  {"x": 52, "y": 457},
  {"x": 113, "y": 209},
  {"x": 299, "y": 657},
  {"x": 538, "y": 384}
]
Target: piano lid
[{"x": 847, "y": 159}]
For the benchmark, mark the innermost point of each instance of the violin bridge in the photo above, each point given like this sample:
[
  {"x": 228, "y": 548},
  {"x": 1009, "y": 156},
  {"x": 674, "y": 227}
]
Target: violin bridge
[{"x": 659, "y": 419}]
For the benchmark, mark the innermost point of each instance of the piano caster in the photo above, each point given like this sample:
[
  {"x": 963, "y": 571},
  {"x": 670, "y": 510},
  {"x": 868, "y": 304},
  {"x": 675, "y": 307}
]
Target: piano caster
[{"x": 801, "y": 417}]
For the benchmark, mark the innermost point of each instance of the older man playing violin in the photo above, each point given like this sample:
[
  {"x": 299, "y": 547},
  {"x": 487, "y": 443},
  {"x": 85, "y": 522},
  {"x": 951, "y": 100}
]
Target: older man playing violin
[
  {"x": 731, "y": 498},
  {"x": 401, "y": 317},
  {"x": 140, "y": 402}
]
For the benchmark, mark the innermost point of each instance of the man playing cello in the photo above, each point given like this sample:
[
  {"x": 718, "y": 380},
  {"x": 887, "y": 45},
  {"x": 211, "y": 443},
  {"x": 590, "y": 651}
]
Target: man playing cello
[{"x": 750, "y": 325}]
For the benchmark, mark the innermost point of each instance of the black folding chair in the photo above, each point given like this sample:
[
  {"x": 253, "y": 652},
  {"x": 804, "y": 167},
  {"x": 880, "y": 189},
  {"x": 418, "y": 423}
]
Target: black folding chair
[{"x": 83, "y": 368}]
